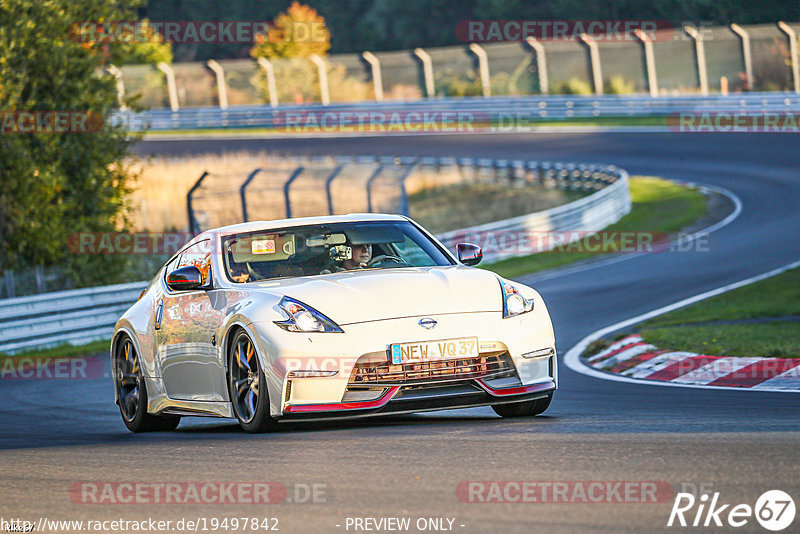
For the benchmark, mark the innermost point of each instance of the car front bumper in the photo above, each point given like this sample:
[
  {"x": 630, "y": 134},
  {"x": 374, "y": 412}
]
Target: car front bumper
[{"x": 331, "y": 396}]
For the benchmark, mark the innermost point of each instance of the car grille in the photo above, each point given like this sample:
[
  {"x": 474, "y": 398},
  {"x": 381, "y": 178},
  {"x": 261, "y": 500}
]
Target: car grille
[{"x": 386, "y": 373}]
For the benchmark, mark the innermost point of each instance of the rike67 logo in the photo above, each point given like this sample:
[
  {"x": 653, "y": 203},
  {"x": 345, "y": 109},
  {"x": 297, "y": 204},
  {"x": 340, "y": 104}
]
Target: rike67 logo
[{"x": 774, "y": 510}]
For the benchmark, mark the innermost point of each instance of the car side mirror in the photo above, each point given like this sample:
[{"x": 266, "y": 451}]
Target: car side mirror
[
  {"x": 469, "y": 254},
  {"x": 185, "y": 278}
]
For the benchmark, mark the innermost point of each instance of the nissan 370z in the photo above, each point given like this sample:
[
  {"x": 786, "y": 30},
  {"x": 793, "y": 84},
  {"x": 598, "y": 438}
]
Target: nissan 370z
[{"x": 329, "y": 317}]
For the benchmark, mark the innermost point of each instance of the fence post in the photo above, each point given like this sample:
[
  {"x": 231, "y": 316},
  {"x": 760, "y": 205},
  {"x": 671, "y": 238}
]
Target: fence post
[
  {"x": 328, "y": 183},
  {"x": 117, "y": 74},
  {"x": 243, "y": 194},
  {"x": 649, "y": 61},
  {"x": 594, "y": 63},
  {"x": 483, "y": 68},
  {"x": 427, "y": 71},
  {"x": 404, "y": 210},
  {"x": 297, "y": 172},
  {"x": 541, "y": 64},
  {"x": 746, "y": 55},
  {"x": 9, "y": 275},
  {"x": 39, "y": 274},
  {"x": 790, "y": 33},
  {"x": 192, "y": 222},
  {"x": 700, "y": 53},
  {"x": 323, "y": 79},
  {"x": 377, "y": 78},
  {"x": 172, "y": 88},
  {"x": 222, "y": 87},
  {"x": 377, "y": 172},
  {"x": 272, "y": 88}
]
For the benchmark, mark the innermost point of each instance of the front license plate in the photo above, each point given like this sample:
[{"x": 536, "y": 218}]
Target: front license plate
[{"x": 426, "y": 351}]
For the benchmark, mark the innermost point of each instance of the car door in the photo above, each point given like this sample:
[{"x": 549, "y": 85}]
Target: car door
[{"x": 191, "y": 362}]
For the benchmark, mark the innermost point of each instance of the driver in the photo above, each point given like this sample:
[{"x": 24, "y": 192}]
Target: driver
[{"x": 361, "y": 256}]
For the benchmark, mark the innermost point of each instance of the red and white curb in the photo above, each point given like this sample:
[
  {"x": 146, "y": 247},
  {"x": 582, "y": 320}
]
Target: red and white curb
[
  {"x": 647, "y": 373},
  {"x": 632, "y": 357}
]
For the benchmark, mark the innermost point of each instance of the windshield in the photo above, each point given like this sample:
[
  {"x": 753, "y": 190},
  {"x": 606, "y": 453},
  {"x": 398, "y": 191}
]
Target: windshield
[{"x": 322, "y": 249}]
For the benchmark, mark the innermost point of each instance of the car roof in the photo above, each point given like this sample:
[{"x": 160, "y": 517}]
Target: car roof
[{"x": 299, "y": 221}]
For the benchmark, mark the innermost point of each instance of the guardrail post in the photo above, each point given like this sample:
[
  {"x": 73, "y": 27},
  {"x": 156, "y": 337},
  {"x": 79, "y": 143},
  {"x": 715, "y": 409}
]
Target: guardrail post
[
  {"x": 377, "y": 78},
  {"x": 427, "y": 71},
  {"x": 649, "y": 61},
  {"x": 746, "y": 55},
  {"x": 193, "y": 227},
  {"x": 790, "y": 33},
  {"x": 243, "y": 194},
  {"x": 222, "y": 87},
  {"x": 297, "y": 172},
  {"x": 10, "y": 290},
  {"x": 594, "y": 63},
  {"x": 328, "y": 182},
  {"x": 117, "y": 74},
  {"x": 172, "y": 88},
  {"x": 483, "y": 68},
  {"x": 272, "y": 88},
  {"x": 700, "y": 55},
  {"x": 324, "y": 90},
  {"x": 541, "y": 64}
]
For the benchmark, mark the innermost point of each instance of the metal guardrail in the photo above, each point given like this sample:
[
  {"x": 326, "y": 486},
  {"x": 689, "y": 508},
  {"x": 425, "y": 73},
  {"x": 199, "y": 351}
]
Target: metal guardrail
[
  {"x": 477, "y": 114},
  {"x": 85, "y": 315},
  {"x": 588, "y": 214},
  {"x": 76, "y": 317}
]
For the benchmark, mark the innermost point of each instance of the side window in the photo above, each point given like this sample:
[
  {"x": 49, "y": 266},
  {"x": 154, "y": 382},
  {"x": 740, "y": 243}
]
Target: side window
[{"x": 198, "y": 255}]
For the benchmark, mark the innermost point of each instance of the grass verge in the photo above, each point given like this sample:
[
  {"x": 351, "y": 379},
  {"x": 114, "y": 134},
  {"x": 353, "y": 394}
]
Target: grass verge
[
  {"x": 64, "y": 351},
  {"x": 658, "y": 206},
  {"x": 749, "y": 321}
]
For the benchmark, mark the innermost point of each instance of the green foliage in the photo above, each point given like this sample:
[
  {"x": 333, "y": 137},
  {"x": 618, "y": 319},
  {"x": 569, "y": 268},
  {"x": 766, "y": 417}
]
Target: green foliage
[
  {"x": 450, "y": 83},
  {"x": 57, "y": 184},
  {"x": 358, "y": 25},
  {"x": 618, "y": 85},
  {"x": 298, "y": 33},
  {"x": 573, "y": 86}
]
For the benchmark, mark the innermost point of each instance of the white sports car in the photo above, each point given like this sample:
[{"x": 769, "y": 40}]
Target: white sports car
[{"x": 329, "y": 317}]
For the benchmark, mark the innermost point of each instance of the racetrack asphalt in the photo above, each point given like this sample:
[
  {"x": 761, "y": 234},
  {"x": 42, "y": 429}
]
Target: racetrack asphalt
[{"x": 54, "y": 433}]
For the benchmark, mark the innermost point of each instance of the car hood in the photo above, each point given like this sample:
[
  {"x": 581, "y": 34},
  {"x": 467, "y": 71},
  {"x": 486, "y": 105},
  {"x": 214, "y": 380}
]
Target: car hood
[{"x": 374, "y": 295}]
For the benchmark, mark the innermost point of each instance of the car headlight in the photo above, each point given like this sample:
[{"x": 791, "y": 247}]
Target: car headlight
[
  {"x": 513, "y": 302},
  {"x": 304, "y": 318}
]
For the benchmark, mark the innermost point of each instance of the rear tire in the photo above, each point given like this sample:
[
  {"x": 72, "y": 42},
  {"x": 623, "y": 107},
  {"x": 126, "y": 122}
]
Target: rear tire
[
  {"x": 523, "y": 409},
  {"x": 247, "y": 386},
  {"x": 132, "y": 393}
]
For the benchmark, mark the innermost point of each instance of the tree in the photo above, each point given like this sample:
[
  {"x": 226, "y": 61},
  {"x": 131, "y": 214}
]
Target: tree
[
  {"x": 56, "y": 184},
  {"x": 300, "y": 32}
]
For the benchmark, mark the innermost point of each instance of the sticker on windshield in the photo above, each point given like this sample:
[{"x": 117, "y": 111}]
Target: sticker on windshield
[{"x": 263, "y": 246}]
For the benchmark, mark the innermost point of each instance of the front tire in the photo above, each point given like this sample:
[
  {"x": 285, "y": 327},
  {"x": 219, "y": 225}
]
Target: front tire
[
  {"x": 247, "y": 386},
  {"x": 523, "y": 409},
  {"x": 132, "y": 393}
]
